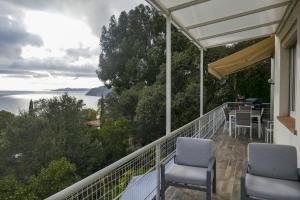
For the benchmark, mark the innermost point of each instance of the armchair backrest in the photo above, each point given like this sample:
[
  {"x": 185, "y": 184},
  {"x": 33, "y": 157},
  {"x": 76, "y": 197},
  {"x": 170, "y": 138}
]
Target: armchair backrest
[
  {"x": 194, "y": 151},
  {"x": 273, "y": 161}
]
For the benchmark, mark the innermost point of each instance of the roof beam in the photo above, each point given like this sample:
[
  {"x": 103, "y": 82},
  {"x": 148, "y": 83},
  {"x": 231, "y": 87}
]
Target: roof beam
[
  {"x": 278, "y": 5},
  {"x": 174, "y": 21},
  {"x": 186, "y": 5},
  {"x": 240, "y": 30},
  {"x": 241, "y": 40},
  {"x": 286, "y": 15}
]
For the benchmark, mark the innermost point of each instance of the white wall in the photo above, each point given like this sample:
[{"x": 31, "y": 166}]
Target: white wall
[{"x": 281, "y": 134}]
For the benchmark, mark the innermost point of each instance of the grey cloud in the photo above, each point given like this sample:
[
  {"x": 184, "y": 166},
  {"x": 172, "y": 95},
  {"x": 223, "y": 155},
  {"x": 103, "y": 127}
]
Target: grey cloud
[
  {"x": 22, "y": 74},
  {"x": 87, "y": 52},
  {"x": 97, "y": 12},
  {"x": 13, "y": 34},
  {"x": 54, "y": 66}
]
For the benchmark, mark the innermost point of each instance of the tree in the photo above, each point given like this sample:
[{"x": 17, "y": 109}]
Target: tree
[
  {"x": 55, "y": 177},
  {"x": 31, "y": 109},
  {"x": 58, "y": 175},
  {"x": 150, "y": 114},
  {"x": 114, "y": 137},
  {"x": 132, "y": 48},
  {"x": 6, "y": 118},
  {"x": 56, "y": 130}
]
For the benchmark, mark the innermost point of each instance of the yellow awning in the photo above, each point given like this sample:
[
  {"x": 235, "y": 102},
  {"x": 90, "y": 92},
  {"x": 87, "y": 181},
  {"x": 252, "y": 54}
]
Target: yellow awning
[{"x": 242, "y": 59}]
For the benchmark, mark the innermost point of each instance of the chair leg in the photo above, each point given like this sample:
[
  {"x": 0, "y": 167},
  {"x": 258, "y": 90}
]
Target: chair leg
[
  {"x": 225, "y": 125},
  {"x": 235, "y": 131},
  {"x": 215, "y": 179},
  {"x": 163, "y": 183},
  {"x": 208, "y": 194}
]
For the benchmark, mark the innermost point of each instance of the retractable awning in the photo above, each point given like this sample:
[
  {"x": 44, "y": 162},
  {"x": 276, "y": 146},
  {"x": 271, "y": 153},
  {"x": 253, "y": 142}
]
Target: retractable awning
[
  {"x": 211, "y": 23},
  {"x": 242, "y": 59}
]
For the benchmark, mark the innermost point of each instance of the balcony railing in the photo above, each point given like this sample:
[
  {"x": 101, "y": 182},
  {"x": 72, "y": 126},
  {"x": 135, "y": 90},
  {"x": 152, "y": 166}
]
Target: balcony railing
[{"x": 125, "y": 178}]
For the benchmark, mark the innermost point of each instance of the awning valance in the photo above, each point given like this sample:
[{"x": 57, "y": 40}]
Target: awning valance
[{"x": 242, "y": 59}]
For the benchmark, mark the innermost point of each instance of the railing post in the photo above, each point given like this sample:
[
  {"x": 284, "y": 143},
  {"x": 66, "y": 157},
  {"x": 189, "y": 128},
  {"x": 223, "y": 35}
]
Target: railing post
[{"x": 157, "y": 149}]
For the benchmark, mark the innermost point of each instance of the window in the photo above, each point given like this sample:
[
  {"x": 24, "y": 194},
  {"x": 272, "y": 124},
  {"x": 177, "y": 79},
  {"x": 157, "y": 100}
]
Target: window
[{"x": 292, "y": 81}]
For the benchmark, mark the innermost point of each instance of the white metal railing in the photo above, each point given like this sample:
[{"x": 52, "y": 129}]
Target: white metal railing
[{"x": 137, "y": 176}]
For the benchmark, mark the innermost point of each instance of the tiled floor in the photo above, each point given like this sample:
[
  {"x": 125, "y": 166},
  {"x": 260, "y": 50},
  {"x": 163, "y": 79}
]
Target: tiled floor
[{"x": 230, "y": 155}]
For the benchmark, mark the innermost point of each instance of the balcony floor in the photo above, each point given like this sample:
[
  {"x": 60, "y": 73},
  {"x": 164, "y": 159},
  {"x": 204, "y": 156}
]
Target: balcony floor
[{"x": 230, "y": 155}]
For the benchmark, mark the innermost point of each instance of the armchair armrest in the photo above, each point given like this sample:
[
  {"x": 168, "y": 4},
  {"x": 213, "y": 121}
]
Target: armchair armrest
[
  {"x": 211, "y": 164},
  {"x": 298, "y": 170}
]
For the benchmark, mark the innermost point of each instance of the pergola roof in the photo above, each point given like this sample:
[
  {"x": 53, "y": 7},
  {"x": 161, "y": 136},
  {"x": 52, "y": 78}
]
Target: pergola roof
[{"x": 211, "y": 23}]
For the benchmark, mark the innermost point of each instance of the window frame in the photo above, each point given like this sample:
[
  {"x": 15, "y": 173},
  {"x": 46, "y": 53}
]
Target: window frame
[{"x": 292, "y": 80}]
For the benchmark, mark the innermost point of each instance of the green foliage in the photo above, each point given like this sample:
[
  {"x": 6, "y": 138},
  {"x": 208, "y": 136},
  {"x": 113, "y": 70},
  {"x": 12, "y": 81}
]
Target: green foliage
[
  {"x": 150, "y": 113},
  {"x": 114, "y": 138},
  {"x": 131, "y": 48},
  {"x": 31, "y": 107},
  {"x": 88, "y": 114},
  {"x": 58, "y": 175},
  {"x": 6, "y": 118},
  {"x": 57, "y": 129}
]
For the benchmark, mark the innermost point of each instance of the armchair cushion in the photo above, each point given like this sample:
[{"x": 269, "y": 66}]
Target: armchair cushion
[
  {"x": 194, "y": 152},
  {"x": 269, "y": 188},
  {"x": 186, "y": 175},
  {"x": 273, "y": 161}
]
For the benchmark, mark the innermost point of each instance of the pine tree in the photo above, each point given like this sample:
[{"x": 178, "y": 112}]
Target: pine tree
[{"x": 31, "y": 110}]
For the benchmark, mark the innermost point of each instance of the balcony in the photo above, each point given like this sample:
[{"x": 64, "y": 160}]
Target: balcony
[{"x": 136, "y": 175}]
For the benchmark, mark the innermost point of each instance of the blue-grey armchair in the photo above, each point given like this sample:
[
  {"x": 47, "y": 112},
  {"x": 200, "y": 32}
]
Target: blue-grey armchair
[
  {"x": 271, "y": 173},
  {"x": 194, "y": 167}
]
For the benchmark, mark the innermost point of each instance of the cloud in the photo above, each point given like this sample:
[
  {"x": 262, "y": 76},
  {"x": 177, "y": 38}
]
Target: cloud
[
  {"x": 27, "y": 55},
  {"x": 22, "y": 74},
  {"x": 95, "y": 12},
  {"x": 53, "y": 66},
  {"x": 13, "y": 34},
  {"x": 85, "y": 52}
]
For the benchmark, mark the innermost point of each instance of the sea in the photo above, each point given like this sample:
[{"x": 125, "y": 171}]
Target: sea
[{"x": 18, "y": 101}]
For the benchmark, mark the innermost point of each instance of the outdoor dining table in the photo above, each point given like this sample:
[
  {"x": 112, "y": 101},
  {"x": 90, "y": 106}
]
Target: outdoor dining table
[{"x": 254, "y": 114}]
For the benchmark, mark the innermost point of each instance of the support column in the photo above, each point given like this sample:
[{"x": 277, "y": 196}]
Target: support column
[
  {"x": 168, "y": 75},
  {"x": 201, "y": 82},
  {"x": 272, "y": 89}
]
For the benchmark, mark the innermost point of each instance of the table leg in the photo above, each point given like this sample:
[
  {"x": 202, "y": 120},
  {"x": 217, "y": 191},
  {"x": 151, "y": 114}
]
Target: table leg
[
  {"x": 229, "y": 125},
  {"x": 259, "y": 127}
]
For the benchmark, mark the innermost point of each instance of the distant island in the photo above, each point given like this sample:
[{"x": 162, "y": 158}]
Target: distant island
[
  {"x": 70, "y": 89},
  {"x": 98, "y": 91}
]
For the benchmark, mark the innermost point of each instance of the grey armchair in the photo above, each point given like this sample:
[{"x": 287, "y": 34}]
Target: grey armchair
[
  {"x": 194, "y": 166},
  {"x": 271, "y": 173}
]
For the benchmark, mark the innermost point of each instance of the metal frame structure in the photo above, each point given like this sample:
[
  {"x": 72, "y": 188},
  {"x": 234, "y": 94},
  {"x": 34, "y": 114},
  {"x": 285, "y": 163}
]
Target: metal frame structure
[
  {"x": 112, "y": 181},
  {"x": 172, "y": 17}
]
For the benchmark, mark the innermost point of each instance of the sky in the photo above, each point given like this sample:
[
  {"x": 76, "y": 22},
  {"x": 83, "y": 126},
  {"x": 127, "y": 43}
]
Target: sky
[{"x": 53, "y": 44}]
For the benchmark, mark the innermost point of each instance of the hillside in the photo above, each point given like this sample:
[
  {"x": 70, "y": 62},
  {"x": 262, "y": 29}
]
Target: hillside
[{"x": 98, "y": 91}]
